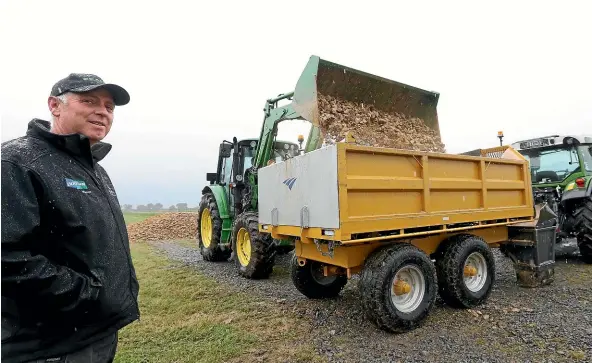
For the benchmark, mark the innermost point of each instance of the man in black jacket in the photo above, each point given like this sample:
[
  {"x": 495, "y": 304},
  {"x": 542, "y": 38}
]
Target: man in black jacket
[{"x": 68, "y": 283}]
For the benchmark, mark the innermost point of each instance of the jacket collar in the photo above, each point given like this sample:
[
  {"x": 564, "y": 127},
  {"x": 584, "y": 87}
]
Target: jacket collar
[{"x": 76, "y": 144}]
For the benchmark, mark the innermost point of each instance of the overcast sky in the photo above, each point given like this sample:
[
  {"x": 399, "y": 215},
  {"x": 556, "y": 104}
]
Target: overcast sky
[{"x": 198, "y": 74}]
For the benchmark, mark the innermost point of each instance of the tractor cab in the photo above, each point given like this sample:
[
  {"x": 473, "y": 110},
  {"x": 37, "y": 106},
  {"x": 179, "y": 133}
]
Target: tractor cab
[
  {"x": 560, "y": 163},
  {"x": 561, "y": 176},
  {"x": 232, "y": 165},
  {"x": 244, "y": 157}
]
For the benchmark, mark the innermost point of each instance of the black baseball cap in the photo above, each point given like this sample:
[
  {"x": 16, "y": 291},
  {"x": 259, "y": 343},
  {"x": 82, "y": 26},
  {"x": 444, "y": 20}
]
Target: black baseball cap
[{"x": 81, "y": 82}]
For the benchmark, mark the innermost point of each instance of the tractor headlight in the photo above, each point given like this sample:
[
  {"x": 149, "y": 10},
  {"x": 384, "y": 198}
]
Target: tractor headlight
[{"x": 239, "y": 178}]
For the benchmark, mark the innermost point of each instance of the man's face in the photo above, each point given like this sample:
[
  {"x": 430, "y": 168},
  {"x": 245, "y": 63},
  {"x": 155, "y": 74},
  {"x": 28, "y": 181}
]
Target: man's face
[{"x": 89, "y": 114}]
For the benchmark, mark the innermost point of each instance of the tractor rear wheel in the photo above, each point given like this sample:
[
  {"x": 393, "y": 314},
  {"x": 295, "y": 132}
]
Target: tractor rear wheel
[
  {"x": 253, "y": 251},
  {"x": 312, "y": 282},
  {"x": 209, "y": 230},
  {"x": 583, "y": 227},
  {"x": 466, "y": 271},
  {"x": 398, "y": 287}
]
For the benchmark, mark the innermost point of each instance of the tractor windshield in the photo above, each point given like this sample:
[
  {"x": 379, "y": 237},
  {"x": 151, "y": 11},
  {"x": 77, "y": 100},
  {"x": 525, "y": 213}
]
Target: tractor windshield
[
  {"x": 281, "y": 151},
  {"x": 552, "y": 165}
]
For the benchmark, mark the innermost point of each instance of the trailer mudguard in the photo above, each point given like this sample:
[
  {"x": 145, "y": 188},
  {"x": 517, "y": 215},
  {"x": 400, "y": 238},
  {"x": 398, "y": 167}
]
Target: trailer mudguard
[{"x": 221, "y": 201}]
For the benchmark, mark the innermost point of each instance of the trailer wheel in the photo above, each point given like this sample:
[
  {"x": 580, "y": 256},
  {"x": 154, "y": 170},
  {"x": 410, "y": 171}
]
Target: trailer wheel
[
  {"x": 466, "y": 271},
  {"x": 398, "y": 287},
  {"x": 312, "y": 283},
  {"x": 209, "y": 230},
  {"x": 583, "y": 227},
  {"x": 253, "y": 251}
]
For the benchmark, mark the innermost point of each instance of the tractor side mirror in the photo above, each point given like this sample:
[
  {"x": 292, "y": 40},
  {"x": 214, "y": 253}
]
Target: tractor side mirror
[{"x": 211, "y": 177}]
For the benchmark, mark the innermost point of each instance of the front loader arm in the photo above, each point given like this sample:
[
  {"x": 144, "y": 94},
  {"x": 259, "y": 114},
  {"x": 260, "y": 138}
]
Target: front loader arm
[
  {"x": 272, "y": 119},
  {"x": 273, "y": 116}
]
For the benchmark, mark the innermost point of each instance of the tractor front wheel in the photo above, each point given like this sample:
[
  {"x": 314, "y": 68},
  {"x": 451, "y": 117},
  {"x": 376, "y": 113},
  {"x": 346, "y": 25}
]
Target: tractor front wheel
[
  {"x": 253, "y": 251},
  {"x": 583, "y": 227},
  {"x": 209, "y": 230}
]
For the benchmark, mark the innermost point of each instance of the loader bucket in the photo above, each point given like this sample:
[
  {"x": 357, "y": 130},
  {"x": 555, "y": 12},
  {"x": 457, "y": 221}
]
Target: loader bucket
[{"x": 321, "y": 77}]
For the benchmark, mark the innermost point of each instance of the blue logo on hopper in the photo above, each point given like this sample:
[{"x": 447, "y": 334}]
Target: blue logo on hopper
[{"x": 290, "y": 182}]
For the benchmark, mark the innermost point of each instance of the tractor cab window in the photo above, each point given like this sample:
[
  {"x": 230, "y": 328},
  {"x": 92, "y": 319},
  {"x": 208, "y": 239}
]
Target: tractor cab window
[
  {"x": 226, "y": 170},
  {"x": 551, "y": 165},
  {"x": 248, "y": 153}
]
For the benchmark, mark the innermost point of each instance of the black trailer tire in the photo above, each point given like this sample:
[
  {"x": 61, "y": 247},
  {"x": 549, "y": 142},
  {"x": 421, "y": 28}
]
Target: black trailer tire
[
  {"x": 284, "y": 250},
  {"x": 384, "y": 306},
  {"x": 461, "y": 255},
  {"x": 311, "y": 282},
  {"x": 583, "y": 228},
  {"x": 209, "y": 230},
  {"x": 254, "y": 253}
]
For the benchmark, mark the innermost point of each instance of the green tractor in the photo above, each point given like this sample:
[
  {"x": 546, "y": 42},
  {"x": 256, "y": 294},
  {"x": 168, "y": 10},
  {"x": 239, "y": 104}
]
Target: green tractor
[
  {"x": 561, "y": 173},
  {"x": 222, "y": 200},
  {"x": 228, "y": 219}
]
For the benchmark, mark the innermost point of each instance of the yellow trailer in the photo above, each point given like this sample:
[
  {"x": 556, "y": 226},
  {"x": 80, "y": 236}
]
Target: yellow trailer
[{"x": 388, "y": 214}]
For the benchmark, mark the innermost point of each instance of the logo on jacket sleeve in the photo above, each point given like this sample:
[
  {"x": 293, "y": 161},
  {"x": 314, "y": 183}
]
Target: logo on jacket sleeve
[
  {"x": 76, "y": 184},
  {"x": 290, "y": 182}
]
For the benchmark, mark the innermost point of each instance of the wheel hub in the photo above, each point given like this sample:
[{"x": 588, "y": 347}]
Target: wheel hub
[
  {"x": 318, "y": 274},
  {"x": 206, "y": 228},
  {"x": 408, "y": 288},
  {"x": 243, "y": 246},
  {"x": 470, "y": 271},
  {"x": 401, "y": 287},
  {"x": 475, "y": 272}
]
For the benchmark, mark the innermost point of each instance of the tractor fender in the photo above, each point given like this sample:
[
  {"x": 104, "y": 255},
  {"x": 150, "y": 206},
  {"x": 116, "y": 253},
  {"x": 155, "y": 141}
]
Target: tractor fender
[
  {"x": 221, "y": 199},
  {"x": 575, "y": 194}
]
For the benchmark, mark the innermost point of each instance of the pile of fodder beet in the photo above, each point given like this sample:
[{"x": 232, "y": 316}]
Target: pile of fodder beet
[
  {"x": 165, "y": 226},
  {"x": 373, "y": 127}
]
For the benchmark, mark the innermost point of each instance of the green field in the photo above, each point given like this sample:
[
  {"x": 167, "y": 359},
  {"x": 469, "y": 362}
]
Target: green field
[
  {"x": 186, "y": 317},
  {"x": 134, "y": 217}
]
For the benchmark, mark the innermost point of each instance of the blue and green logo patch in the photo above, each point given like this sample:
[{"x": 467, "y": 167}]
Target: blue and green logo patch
[{"x": 76, "y": 184}]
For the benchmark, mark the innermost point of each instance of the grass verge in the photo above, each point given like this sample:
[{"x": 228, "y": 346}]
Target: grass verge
[{"x": 186, "y": 317}]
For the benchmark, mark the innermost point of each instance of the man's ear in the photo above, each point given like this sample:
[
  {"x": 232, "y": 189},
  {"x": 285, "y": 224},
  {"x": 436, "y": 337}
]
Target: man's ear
[{"x": 54, "y": 106}]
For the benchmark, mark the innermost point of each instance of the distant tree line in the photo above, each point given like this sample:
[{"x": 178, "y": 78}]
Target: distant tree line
[{"x": 156, "y": 207}]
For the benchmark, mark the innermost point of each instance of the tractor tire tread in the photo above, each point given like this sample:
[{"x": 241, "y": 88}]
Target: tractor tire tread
[
  {"x": 583, "y": 226},
  {"x": 376, "y": 276},
  {"x": 262, "y": 249},
  {"x": 305, "y": 283},
  {"x": 453, "y": 253},
  {"x": 215, "y": 253}
]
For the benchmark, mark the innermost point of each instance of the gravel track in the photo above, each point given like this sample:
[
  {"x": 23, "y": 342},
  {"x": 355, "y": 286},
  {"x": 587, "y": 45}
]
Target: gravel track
[{"x": 550, "y": 324}]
